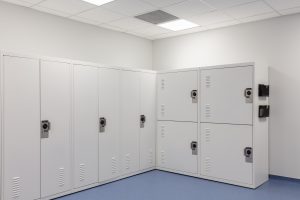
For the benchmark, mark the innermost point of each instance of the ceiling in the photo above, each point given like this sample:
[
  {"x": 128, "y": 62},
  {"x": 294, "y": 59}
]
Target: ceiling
[{"x": 208, "y": 14}]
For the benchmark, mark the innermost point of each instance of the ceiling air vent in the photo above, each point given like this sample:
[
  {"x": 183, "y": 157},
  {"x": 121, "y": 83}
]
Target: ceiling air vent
[{"x": 156, "y": 17}]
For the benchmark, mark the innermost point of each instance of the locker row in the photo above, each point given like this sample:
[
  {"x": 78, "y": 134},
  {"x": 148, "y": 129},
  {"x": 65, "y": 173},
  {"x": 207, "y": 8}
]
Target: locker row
[{"x": 68, "y": 126}]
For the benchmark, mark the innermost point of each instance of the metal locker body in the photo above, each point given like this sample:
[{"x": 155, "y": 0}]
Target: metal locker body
[
  {"x": 130, "y": 123},
  {"x": 56, "y": 107},
  {"x": 222, "y": 152},
  {"x": 175, "y": 101},
  {"x": 147, "y": 133},
  {"x": 109, "y": 139},
  {"x": 174, "y": 151},
  {"x": 223, "y": 97},
  {"x": 85, "y": 125},
  {"x": 21, "y": 128}
]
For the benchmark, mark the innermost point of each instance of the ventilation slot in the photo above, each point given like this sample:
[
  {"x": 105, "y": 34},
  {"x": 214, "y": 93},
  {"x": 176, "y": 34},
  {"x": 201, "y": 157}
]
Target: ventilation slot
[
  {"x": 162, "y": 157},
  {"x": 82, "y": 172},
  {"x": 207, "y": 134},
  {"x": 162, "y": 131},
  {"x": 156, "y": 17},
  {"x": 150, "y": 156},
  {"x": 16, "y": 188},
  {"x": 162, "y": 110},
  {"x": 207, "y": 111},
  {"x": 207, "y": 81},
  {"x": 61, "y": 177},
  {"x": 114, "y": 165},
  {"x": 162, "y": 84},
  {"x": 207, "y": 163},
  {"x": 127, "y": 161}
]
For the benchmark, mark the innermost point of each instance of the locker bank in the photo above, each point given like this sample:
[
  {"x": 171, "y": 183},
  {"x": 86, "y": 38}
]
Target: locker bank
[{"x": 149, "y": 99}]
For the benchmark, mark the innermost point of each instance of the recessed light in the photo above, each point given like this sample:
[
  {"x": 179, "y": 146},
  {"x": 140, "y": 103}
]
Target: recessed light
[
  {"x": 98, "y": 2},
  {"x": 177, "y": 25}
]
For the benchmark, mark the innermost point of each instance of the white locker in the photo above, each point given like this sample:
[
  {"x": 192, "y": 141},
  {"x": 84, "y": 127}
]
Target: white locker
[
  {"x": 175, "y": 102},
  {"x": 174, "y": 152},
  {"x": 223, "y": 95},
  {"x": 85, "y": 125},
  {"x": 56, "y": 109},
  {"x": 222, "y": 152},
  {"x": 109, "y": 138},
  {"x": 147, "y": 132},
  {"x": 130, "y": 121},
  {"x": 21, "y": 128}
]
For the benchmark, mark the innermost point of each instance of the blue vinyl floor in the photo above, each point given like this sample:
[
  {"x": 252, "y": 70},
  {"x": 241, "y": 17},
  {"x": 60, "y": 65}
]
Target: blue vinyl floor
[{"x": 158, "y": 185}]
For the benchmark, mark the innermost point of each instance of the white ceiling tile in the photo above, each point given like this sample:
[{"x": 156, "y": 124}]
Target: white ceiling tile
[
  {"x": 152, "y": 30},
  {"x": 71, "y": 7},
  {"x": 248, "y": 10},
  {"x": 222, "y": 24},
  {"x": 283, "y": 4},
  {"x": 163, "y": 3},
  {"x": 50, "y": 11},
  {"x": 129, "y": 7},
  {"x": 100, "y": 15},
  {"x": 210, "y": 18},
  {"x": 130, "y": 24},
  {"x": 290, "y": 11},
  {"x": 260, "y": 17},
  {"x": 221, "y": 4},
  {"x": 84, "y": 20},
  {"x": 107, "y": 26},
  {"x": 188, "y": 8},
  {"x": 26, "y": 3}
]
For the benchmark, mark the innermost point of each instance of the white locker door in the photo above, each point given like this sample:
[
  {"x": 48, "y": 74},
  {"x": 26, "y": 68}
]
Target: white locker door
[
  {"x": 56, "y": 108},
  {"x": 21, "y": 128},
  {"x": 147, "y": 132},
  {"x": 222, "y": 95},
  {"x": 175, "y": 102},
  {"x": 130, "y": 121},
  {"x": 85, "y": 125},
  {"x": 109, "y": 139},
  {"x": 174, "y": 146},
  {"x": 222, "y": 152}
]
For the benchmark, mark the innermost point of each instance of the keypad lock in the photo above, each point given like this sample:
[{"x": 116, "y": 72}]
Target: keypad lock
[
  {"x": 194, "y": 96},
  {"x": 248, "y": 95},
  {"x": 45, "y": 128},
  {"x": 102, "y": 124},
  {"x": 248, "y": 153},
  {"x": 142, "y": 121},
  {"x": 194, "y": 147}
]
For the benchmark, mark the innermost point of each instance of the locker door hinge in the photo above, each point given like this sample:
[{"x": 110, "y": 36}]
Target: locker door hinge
[
  {"x": 194, "y": 147},
  {"x": 102, "y": 124},
  {"x": 194, "y": 96},
  {"x": 248, "y": 95},
  {"x": 45, "y": 128},
  {"x": 142, "y": 121},
  {"x": 248, "y": 153},
  {"x": 263, "y": 111}
]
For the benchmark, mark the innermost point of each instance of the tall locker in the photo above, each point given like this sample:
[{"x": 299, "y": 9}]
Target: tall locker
[
  {"x": 130, "y": 121},
  {"x": 109, "y": 113},
  {"x": 56, "y": 127},
  {"x": 177, "y": 96},
  {"x": 175, "y": 143},
  {"x": 85, "y": 125},
  {"x": 147, "y": 120},
  {"x": 21, "y": 128}
]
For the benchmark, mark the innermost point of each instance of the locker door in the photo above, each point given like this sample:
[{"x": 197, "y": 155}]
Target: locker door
[
  {"x": 21, "y": 128},
  {"x": 109, "y": 108},
  {"x": 222, "y": 152},
  {"x": 147, "y": 131},
  {"x": 174, "y": 96},
  {"x": 222, "y": 95},
  {"x": 174, "y": 146},
  {"x": 85, "y": 125},
  {"x": 130, "y": 121},
  {"x": 56, "y": 108}
]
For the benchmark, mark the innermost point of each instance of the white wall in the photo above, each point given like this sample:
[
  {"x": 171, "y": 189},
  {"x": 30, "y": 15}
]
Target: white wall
[
  {"x": 275, "y": 42},
  {"x": 28, "y": 31}
]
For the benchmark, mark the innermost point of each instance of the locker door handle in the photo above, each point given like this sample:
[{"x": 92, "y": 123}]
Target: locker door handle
[
  {"x": 194, "y": 147},
  {"x": 102, "y": 124},
  {"x": 142, "y": 121},
  {"x": 45, "y": 128},
  {"x": 248, "y": 95},
  {"x": 248, "y": 153},
  {"x": 194, "y": 96}
]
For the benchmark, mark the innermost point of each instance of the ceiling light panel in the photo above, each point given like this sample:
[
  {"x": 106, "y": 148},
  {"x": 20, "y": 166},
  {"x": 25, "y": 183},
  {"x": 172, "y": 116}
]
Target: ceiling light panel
[
  {"x": 98, "y": 2},
  {"x": 178, "y": 25}
]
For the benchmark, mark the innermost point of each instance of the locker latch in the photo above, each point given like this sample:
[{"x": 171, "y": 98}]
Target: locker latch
[
  {"x": 248, "y": 153},
  {"x": 194, "y": 96},
  {"x": 194, "y": 148},
  {"x": 102, "y": 124},
  {"x": 142, "y": 121},
  {"x": 263, "y": 90},
  {"x": 248, "y": 95},
  {"x": 45, "y": 128},
  {"x": 263, "y": 111}
]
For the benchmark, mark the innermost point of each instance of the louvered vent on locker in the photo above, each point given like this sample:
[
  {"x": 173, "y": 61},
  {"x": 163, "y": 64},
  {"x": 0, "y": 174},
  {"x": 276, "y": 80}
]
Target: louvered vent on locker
[
  {"x": 150, "y": 156},
  {"x": 61, "y": 177},
  {"x": 162, "y": 110},
  {"x": 207, "y": 133},
  {"x": 207, "y": 165},
  {"x": 127, "y": 161},
  {"x": 82, "y": 172},
  {"x": 207, "y": 81},
  {"x": 162, "y": 84},
  {"x": 114, "y": 165},
  {"x": 16, "y": 188},
  {"x": 162, "y": 157},
  {"x": 208, "y": 111},
  {"x": 162, "y": 131}
]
